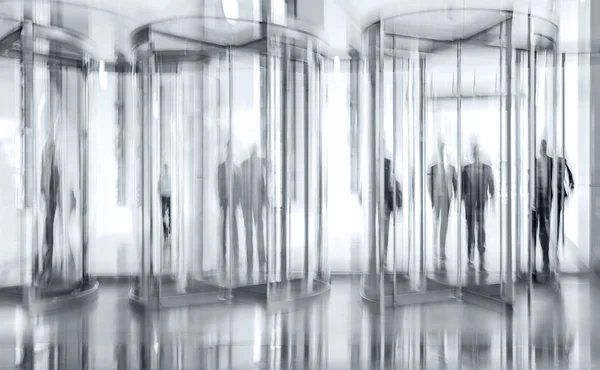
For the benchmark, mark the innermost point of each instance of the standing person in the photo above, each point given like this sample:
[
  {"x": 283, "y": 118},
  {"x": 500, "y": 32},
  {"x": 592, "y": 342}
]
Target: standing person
[
  {"x": 542, "y": 204},
  {"x": 477, "y": 187},
  {"x": 253, "y": 173},
  {"x": 391, "y": 186},
  {"x": 562, "y": 192},
  {"x": 223, "y": 189},
  {"x": 164, "y": 188},
  {"x": 442, "y": 187},
  {"x": 50, "y": 189},
  {"x": 74, "y": 233}
]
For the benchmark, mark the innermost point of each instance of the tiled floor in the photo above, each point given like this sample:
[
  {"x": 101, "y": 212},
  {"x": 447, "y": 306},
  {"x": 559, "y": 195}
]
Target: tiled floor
[{"x": 337, "y": 331}]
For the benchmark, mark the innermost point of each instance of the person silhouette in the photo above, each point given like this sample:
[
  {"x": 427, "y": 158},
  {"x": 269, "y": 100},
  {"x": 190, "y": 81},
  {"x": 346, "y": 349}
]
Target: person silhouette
[
  {"x": 442, "y": 187},
  {"x": 477, "y": 187},
  {"x": 542, "y": 205},
  {"x": 50, "y": 191},
  {"x": 391, "y": 188},
  {"x": 164, "y": 189},
  {"x": 253, "y": 199},
  {"x": 562, "y": 192},
  {"x": 227, "y": 195}
]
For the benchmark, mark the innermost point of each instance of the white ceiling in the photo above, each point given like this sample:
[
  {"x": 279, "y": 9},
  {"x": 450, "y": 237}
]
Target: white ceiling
[
  {"x": 572, "y": 36},
  {"x": 344, "y": 19}
]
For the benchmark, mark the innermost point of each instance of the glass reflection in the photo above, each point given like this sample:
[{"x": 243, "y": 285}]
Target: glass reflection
[
  {"x": 317, "y": 335},
  {"x": 232, "y": 148},
  {"x": 542, "y": 205},
  {"x": 486, "y": 108},
  {"x": 57, "y": 264}
]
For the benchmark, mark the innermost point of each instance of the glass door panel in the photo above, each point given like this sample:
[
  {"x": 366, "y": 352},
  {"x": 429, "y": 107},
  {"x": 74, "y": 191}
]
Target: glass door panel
[{"x": 11, "y": 259}]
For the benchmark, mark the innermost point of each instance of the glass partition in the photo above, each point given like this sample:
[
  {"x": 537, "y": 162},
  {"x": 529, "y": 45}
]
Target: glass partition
[
  {"x": 460, "y": 136},
  {"x": 231, "y": 166},
  {"x": 46, "y": 69}
]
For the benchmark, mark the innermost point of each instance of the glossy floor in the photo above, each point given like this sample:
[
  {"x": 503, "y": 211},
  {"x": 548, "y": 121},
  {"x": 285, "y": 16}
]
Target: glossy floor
[{"x": 337, "y": 331}]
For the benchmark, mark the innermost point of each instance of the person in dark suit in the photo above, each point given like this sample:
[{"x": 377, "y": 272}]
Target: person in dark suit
[
  {"x": 253, "y": 173},
  {"x": 223, "y": 178},
  {"x": 563, "y": 193},
  {"x": 391, "y": 186},
  {"x": 442, "y": 187},
  {"x": 542, "y": 204},
  {"x": 477, "y": 187}
]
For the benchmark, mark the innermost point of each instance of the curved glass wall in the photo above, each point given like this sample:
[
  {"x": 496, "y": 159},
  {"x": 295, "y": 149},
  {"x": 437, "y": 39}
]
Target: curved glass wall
[
  {"x": 230, "y": 161},
  {"x": 45, "y": 158},
  {"x": 460, "y": 135}
]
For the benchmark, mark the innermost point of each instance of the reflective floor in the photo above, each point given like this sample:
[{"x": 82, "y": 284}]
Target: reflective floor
[{"x": 336, "y": 332}]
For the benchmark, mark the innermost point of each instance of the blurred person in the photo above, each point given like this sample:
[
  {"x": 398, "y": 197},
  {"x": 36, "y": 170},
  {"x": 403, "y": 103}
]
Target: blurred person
[
  {"x": 477, "y": 187},
  {"x": 253, "y": 172},
  {"x": 74, "y": 234},
  {"x": 542, "y": 205},
  {"x": 553, "y": 334},
  {"x": 164, "y": 188},
  {"x": 391, "y": 188},
  {"x": 223, "y": 189},
  {"x": 51, "y": 201},
  {"x": 442, "y": 188},
  {"x": 563, "y": 192}
]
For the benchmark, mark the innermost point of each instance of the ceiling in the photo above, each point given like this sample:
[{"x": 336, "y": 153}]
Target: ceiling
[
  {"x": 344, "y": 19},
  {"x": 573, "y": 35}
]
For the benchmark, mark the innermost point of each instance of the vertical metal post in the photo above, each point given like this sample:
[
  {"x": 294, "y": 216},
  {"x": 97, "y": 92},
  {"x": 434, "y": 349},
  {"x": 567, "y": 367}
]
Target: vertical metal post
[
  {"x": 532, "y": 88},
  {"x": 532, "y": 92},
  {"x": 199, "y": 156},
  {"x": 308, "y": 178},
  {"x": 555, "y": 78},
  {"x": 508, "y": 293},
  {"x": 518, "y": 237},
  {"x": 324, "y": 178},
  {"x": 28, "y": 198},
  {"x": 144, "y": 173},
  {"x": 285, "y": 162},
  {"x": 180, "y": 139},
  {"x": 155, "y": 151},
  {"x": 231, "y": 176},
  {"x": 354, "y": 75},
  {"x": 422, "y": 143},
  {"x": 269, "y": 95},
  {"x": 561, "y": 228},
  {"x": 121, "y": 122},
  {"x": 395, "y": 122},
  {"x": 379, "y": 149},
  {"x": 84, "y": 154},
  {"x": 503, "y": 119},
  {"x": 459, "y": 161}
]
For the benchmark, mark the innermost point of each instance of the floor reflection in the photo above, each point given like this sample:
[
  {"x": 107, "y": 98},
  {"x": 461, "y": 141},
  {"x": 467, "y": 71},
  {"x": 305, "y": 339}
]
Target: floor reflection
[{"x": 339, "y": 331}]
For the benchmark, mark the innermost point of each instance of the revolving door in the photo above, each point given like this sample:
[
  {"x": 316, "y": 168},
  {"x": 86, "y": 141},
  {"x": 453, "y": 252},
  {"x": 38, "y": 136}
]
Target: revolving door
[
  {"x": 231, "y": 162},
  {"x": 44, "y": 262},
  {"x": 460, "y": 138}
]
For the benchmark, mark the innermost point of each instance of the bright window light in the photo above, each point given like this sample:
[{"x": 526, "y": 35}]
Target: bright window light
[
  {"x": 230, "y": 9},
  {"x": 336, "y": 68},
  {"x": 102, "y": 75}
]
